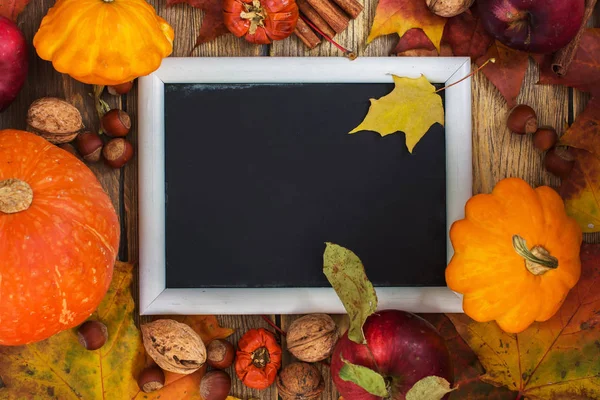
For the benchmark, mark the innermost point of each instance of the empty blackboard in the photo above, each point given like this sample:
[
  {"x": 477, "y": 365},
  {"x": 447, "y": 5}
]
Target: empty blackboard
[{"x": 258, "y": 177}]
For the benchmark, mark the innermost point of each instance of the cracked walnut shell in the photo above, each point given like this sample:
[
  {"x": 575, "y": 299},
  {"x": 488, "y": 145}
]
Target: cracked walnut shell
[
  {"x": 312, "y": 338},
  {"x": 174, "y": 346}
]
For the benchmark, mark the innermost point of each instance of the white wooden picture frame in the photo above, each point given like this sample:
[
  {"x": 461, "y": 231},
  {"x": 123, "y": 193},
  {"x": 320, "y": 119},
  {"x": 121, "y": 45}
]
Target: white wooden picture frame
[{"x": 156, "y": 298}]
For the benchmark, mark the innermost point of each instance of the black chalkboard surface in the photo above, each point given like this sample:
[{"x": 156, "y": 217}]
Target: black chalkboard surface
[{"x": 259, "y": 177}]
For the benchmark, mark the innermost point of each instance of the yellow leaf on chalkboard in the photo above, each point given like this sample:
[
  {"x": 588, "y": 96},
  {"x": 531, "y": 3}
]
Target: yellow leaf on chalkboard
[
  {"x": 60, "y": 368},
  {"x": 412, "y": 107}
]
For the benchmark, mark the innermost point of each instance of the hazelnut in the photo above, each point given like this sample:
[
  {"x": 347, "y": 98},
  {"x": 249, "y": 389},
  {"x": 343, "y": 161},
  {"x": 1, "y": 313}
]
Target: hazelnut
[
  {"x": 300, "y": 381},
  {"x": 123, "y": 88},
  {"x": 116, "y": 123},
  {"x": 89, "y": 145},
  {"x": 215, "y": 385},
  {"x": 522, "y": 120},
  {"x": 220, "y": 354},
  {"x": 117, "y": 152},
  {"x": 92, "y": 334},
  {"x": 559, "y": 161},
  {"x": 151, "y": 379},
  {"x": 312, "y": 338},
  {"x": 544, "y": 138}
]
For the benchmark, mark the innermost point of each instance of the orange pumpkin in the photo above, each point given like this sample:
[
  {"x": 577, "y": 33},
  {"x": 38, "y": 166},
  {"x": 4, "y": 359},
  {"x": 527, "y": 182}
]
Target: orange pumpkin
[
  {"x": 516, "y": 255},
  {"x": 59, "y": 237}
]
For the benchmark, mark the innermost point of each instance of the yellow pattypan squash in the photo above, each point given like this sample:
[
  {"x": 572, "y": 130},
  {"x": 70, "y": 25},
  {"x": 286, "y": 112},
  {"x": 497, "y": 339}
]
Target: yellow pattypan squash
[
  {"x": 104, "y": 42},
  {"x": 516, "y": 255}
]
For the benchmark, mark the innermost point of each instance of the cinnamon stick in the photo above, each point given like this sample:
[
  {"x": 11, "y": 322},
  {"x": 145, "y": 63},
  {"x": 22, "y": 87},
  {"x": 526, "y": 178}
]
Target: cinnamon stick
[
  {"x": 331, "y": 13},
  {"x": 564, "y": 57},
  {"x": 304, "y": 33},
  {"x": 352, "y": 7},
  {"x": 314, "y": 17}
]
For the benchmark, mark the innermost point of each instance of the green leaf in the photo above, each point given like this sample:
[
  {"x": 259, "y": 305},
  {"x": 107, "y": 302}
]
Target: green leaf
[
  {"x": 345, "y": 272},
  {"x": 429, "y": 388},
  {"x": 364, "y": 377}
]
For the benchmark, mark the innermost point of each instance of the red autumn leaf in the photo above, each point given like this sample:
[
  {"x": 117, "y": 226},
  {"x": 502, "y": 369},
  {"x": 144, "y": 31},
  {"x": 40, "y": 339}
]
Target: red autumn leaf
[
  {"x": 585, "y": 131},
  {"x": 467, "y": 368},
  {"x": 555, "y": 359},
  {"x": 213, "y": 24},
  {"x": 508, "y": 72},
  {"x": 466, "y": 36},
  {"x": 581, "y": 191},
  {"x": 12, "y": 8},
  {"x": 399, "y": 16},
  {"x": 416, "y": 42},
  {"x": 584, "y": 72}
]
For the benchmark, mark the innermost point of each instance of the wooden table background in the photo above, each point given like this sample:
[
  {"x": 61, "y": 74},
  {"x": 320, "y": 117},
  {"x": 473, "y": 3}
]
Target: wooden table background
[{"x": 496, "y": 153}]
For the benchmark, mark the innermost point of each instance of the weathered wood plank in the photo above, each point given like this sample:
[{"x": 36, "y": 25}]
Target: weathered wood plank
[{"x": 497, "y": 153}]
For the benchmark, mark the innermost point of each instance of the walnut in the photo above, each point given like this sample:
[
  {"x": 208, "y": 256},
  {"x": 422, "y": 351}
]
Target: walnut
[
  {"x": 449, "y": 8},
  {"x": 174, "y": 346},
  {"x": 300, "y": 381},
  {"x": 312, "y": 337},
  {"x": 54, "y": 119}
]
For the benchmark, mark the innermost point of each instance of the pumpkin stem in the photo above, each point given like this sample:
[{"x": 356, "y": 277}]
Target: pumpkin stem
[
  {"x": 538, "y": 260},
  {"x": 256, "y": 14},
  {"x": 15, "y": 196},
  {"x": 260, "y": 357}
]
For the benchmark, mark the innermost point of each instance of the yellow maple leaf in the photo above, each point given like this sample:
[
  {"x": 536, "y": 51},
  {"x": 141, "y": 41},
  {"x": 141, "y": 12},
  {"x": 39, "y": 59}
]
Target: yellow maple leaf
[
  {"x": 399, "y": 16},
  {"x": 412, "y": 107},
  {"x": 60, "y": 367}
]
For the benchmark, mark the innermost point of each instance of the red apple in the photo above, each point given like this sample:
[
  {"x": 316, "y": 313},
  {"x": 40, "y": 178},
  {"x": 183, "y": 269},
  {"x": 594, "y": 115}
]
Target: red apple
[
  {"x": 13, "y": 61},
  {"x": 405, "y": 347},
  {"x": 536, "y": 26}
]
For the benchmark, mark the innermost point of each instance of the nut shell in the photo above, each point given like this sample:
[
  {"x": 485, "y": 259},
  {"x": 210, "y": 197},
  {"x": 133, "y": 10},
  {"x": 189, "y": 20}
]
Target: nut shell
[
  {"x": 54, "y": 119},
  {"x": 174, "y": 346},
  {"x": 559, "y": 161},
  {"x": 522, "y": 119},
  {"x": 220, "y": 354},
  {"x": 117, "y": 152},
  {"x": 116, "y": 123},
  {"x": 151, "y": 379},
  {"x": 215, "y": 385},
  {"x": 89, "y": 145},
  {"x": 544, "y": 138},
  {"x": 449, "y": 8},
  {"x": 312, "y": 338},
  {"x": 92, "y": 334},
  {"x": 300, "y": 381}
]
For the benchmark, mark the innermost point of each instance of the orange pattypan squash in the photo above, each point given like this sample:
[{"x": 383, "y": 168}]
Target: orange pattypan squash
[
  {"x": 104, "y": 42},
  {"x": 59, "y": 237},
  {"x": 258, "y": 359},
  {"x": 516, "y": 255}
]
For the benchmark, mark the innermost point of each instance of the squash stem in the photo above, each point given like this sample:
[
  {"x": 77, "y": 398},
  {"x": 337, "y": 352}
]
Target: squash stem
[
  {"x": 538, "y": 260},
  {"x": 15, "y": 196}
]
